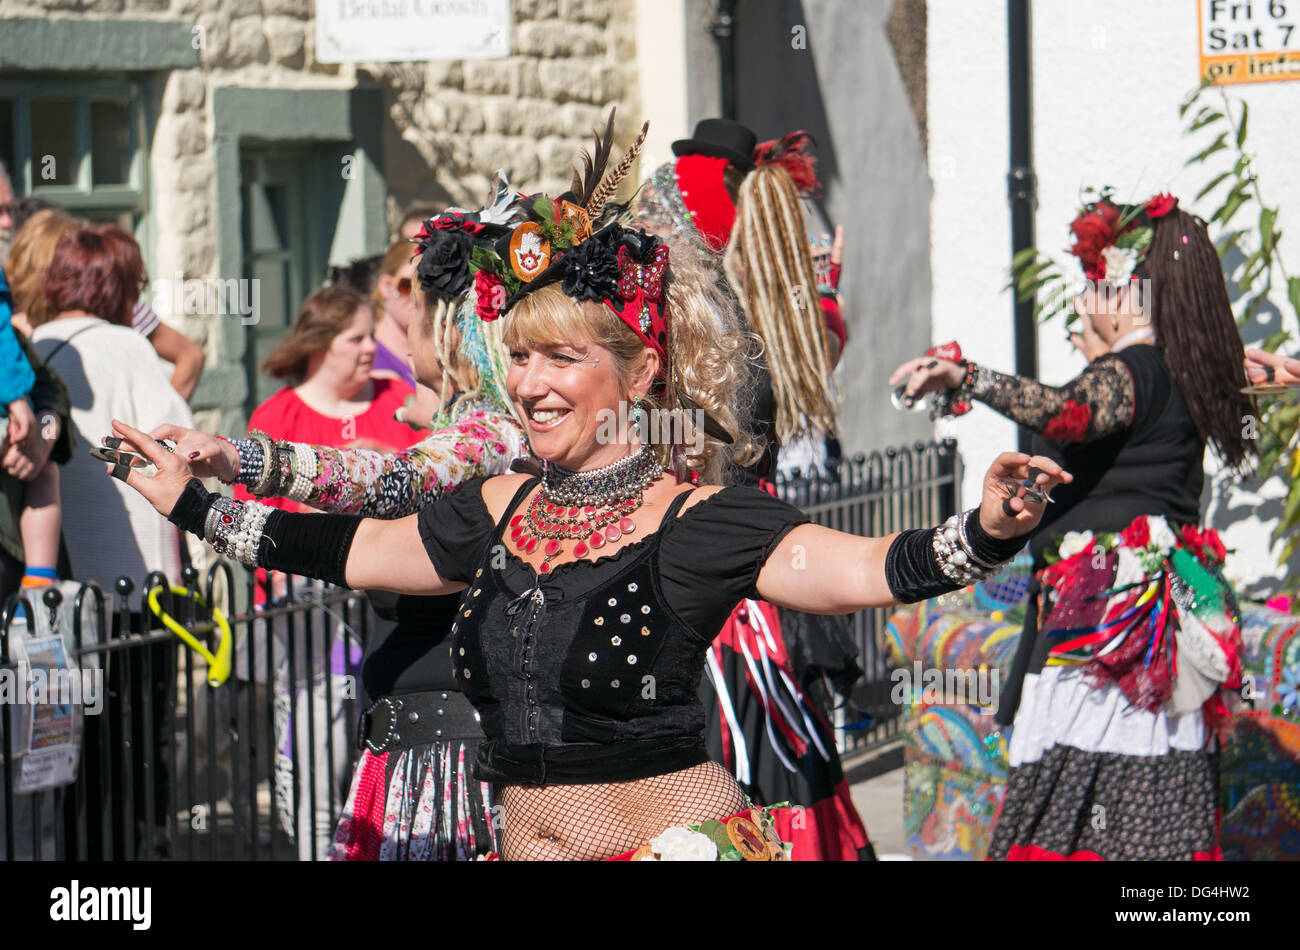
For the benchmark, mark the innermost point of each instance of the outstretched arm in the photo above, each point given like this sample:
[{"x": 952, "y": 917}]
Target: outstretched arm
[
  {"x": 341, "y": 549},
  {"x": 1096, "y": 403},
  {"x": 359, "y": 481},
  {"x": 820, "y": 571}
]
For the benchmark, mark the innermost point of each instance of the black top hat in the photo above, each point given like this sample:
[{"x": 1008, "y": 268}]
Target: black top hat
[{"x": 720, "y": 138}]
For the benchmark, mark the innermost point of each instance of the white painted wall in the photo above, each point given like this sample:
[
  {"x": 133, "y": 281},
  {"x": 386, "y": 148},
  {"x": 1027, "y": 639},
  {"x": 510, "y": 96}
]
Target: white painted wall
[
  {"x": 970, "y": 225},
  {"x": 661, "y": 59},
  {"x": 1109, "y": 76}
]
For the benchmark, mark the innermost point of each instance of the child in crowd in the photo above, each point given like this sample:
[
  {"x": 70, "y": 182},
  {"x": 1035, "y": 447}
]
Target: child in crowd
[{"x": 40, "y": 522}]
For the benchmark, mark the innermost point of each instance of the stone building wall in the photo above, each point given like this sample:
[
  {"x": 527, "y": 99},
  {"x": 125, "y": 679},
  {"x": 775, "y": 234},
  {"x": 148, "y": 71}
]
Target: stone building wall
[{"x": 447, "y": 125}]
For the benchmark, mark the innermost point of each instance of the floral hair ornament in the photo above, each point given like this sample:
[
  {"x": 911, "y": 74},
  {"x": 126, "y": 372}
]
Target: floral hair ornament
[
  {"x": 549, "y": 231},
  {"x": 1111, "y": 242},
  {"x": 447, "y": 242}
]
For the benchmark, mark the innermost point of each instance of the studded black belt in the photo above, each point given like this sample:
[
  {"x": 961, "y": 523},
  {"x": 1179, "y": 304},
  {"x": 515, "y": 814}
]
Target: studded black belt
[{"x": 414, "y": 719}]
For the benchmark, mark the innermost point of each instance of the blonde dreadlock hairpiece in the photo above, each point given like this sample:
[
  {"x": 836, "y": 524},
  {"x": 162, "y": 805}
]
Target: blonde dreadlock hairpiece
[{"x": 769, "y": 261}]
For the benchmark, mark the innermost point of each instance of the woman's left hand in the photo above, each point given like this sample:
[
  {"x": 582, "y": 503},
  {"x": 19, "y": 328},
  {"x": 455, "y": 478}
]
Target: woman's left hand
[
  {"x": 166, "y": 487},
  {"x": 1013, "y": 517}
]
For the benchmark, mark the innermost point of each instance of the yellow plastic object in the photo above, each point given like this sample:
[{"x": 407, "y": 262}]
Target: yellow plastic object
[{"x": 219, "y": 665}]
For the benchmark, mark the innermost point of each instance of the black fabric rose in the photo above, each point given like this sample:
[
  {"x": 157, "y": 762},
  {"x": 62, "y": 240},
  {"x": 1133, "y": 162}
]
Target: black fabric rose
[
  {"x": 591, "y": 269},
  {"x": 444, "y": 263}
]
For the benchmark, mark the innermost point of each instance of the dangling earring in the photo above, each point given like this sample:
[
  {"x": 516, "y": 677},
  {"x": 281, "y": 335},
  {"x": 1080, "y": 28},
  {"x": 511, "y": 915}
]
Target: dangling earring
[
  {"x": 636, "y": 418},
  {"x": 1114, "y": 324}
]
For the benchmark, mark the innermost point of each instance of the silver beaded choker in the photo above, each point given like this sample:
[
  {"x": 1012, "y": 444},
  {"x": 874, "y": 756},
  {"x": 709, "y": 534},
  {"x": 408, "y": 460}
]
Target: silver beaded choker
[{"x": 614, "y": 483}]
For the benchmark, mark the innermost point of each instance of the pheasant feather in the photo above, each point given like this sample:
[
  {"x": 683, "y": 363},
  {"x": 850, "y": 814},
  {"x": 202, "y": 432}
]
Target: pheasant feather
[{"x": 609, "y": 184}]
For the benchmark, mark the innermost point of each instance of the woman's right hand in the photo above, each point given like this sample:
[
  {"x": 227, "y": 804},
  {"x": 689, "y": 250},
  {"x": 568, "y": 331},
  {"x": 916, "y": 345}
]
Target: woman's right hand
[
  {"x": 208, "y": 456},
  {"x": 163, "y": 489}
]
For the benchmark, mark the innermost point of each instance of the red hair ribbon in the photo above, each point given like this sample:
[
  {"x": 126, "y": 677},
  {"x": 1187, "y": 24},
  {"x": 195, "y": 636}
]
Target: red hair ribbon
[
  {"x": 640, "y": 285},
  {"x": 791, "y": 152}
]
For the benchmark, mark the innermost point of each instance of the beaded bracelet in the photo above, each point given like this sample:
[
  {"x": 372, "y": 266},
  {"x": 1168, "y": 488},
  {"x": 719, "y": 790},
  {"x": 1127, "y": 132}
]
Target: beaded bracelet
[
  {"x": 954, "y": 555},
  {"x": 251, "y": 461},
  {"x": 305, "y": 469},
  {"x": 235, "y": 529}
]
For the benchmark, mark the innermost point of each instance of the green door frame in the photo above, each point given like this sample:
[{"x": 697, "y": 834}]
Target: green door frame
[{"x": 289, "y": 117}]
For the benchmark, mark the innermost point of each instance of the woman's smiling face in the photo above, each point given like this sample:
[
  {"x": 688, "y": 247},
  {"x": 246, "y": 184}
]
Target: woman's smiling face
[{"x": 566, "y": 393}]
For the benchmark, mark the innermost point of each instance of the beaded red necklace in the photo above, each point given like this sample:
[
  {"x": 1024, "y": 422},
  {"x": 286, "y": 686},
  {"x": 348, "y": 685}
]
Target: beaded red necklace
[{"x": 591, "y": 508}]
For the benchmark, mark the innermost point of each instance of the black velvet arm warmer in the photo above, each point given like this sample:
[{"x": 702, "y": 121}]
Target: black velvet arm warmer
[
  {"x": 310, "y": 545},
  {"x": 912, "y": 567},
  {"x": 192, "y": 507}
]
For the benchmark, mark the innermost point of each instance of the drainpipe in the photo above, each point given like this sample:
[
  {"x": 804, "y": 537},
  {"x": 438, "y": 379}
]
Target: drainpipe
[
  {"x": 1021, "y": 182},
  {"x": 723, "y": 29}
]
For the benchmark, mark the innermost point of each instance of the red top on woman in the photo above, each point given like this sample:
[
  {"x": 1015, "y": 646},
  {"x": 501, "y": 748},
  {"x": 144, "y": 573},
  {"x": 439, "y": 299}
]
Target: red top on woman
[{"x": 285, "y": 416}]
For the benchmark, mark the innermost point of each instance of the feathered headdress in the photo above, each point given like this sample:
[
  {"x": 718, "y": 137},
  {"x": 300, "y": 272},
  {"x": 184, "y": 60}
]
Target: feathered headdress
[{"x": 792, "y": 152}]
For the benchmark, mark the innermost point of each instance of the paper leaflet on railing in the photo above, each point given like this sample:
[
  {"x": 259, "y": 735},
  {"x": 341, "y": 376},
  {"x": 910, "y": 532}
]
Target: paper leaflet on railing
[{"x": 46, "y": 692}]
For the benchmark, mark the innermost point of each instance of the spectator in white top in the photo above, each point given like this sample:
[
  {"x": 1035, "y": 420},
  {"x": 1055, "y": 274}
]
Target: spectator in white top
[
  {"x": 92, "y": 284},
  {"x": 35, "y": 249}
]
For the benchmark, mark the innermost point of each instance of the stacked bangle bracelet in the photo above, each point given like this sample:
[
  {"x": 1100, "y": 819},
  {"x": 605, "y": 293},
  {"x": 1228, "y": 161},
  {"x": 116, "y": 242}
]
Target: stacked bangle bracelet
[
  {"x": 271, "y": 468},
  {"x": 235, "y": 529},
  {"x": 956, "y": 556}
]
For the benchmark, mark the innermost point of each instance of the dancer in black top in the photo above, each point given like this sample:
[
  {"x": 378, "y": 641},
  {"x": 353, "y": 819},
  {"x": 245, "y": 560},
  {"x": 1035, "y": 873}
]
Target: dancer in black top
[
  {"x": 1130, "y": 629},
  {"x": 592, "y": 594}
]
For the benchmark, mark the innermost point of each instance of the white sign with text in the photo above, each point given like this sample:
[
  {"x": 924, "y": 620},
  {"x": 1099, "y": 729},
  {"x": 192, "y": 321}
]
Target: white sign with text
[{"x": 403, "y": 31}]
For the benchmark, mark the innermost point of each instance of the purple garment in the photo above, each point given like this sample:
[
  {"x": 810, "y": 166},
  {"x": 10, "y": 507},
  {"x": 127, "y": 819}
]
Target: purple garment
[{"x": 386, "y": 359}]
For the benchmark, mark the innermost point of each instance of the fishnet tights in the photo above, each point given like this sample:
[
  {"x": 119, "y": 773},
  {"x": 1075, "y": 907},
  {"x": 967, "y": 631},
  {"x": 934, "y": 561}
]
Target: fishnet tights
[{"x": 591, "y": 822}]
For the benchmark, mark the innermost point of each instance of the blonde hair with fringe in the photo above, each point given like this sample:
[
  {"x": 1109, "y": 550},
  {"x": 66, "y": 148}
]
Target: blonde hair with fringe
[
  {"x": 707, "y": 356},
  {"x": 769, "y": 261}
]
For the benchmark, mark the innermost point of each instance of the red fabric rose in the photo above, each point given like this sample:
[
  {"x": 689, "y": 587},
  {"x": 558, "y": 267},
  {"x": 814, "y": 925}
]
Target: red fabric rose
[
  {"x": 1070, "y": 424},
  {"x": 1212, "y": 545},
  {"x": 490, "y": 295},
  {"x": 1161, "y": 205},
  {"x": 1192, "y": 539},
  {"x": 1138, "y": 534},
  {"x": 1094, "y": 231}
]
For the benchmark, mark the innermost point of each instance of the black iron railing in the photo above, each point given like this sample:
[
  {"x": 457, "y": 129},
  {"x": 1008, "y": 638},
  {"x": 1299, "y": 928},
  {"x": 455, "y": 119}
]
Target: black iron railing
[{"x": 874, "y": 495}]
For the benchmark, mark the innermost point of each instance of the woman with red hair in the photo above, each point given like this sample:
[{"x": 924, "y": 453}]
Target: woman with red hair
[{"x": 91, "y": 286}]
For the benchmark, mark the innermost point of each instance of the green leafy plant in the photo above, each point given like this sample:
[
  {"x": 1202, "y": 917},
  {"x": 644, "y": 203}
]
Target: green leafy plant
[{"x": 1258, "y": 246}]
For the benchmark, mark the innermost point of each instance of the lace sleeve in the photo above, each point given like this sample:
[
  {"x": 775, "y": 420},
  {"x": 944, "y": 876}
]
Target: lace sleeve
[
  {"x": 387, "y": 486},
  {"x": 1096, "y": 403}
]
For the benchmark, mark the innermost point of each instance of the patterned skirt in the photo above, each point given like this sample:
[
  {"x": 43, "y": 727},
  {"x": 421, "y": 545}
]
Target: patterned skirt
[
  {"x": 418, "y": 804},
  {"x": 1113, "y": 753}
]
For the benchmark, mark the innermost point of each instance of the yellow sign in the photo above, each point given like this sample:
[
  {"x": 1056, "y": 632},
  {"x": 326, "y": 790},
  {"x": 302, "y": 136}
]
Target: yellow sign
[{"x": 1249, "y": 40}]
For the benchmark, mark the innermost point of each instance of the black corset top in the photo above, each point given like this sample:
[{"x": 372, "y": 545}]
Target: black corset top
[{"x": 591, "y": 673}]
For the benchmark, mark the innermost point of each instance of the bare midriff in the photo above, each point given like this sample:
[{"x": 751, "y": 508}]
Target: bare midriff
[{"x": 592, "y": 822}]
